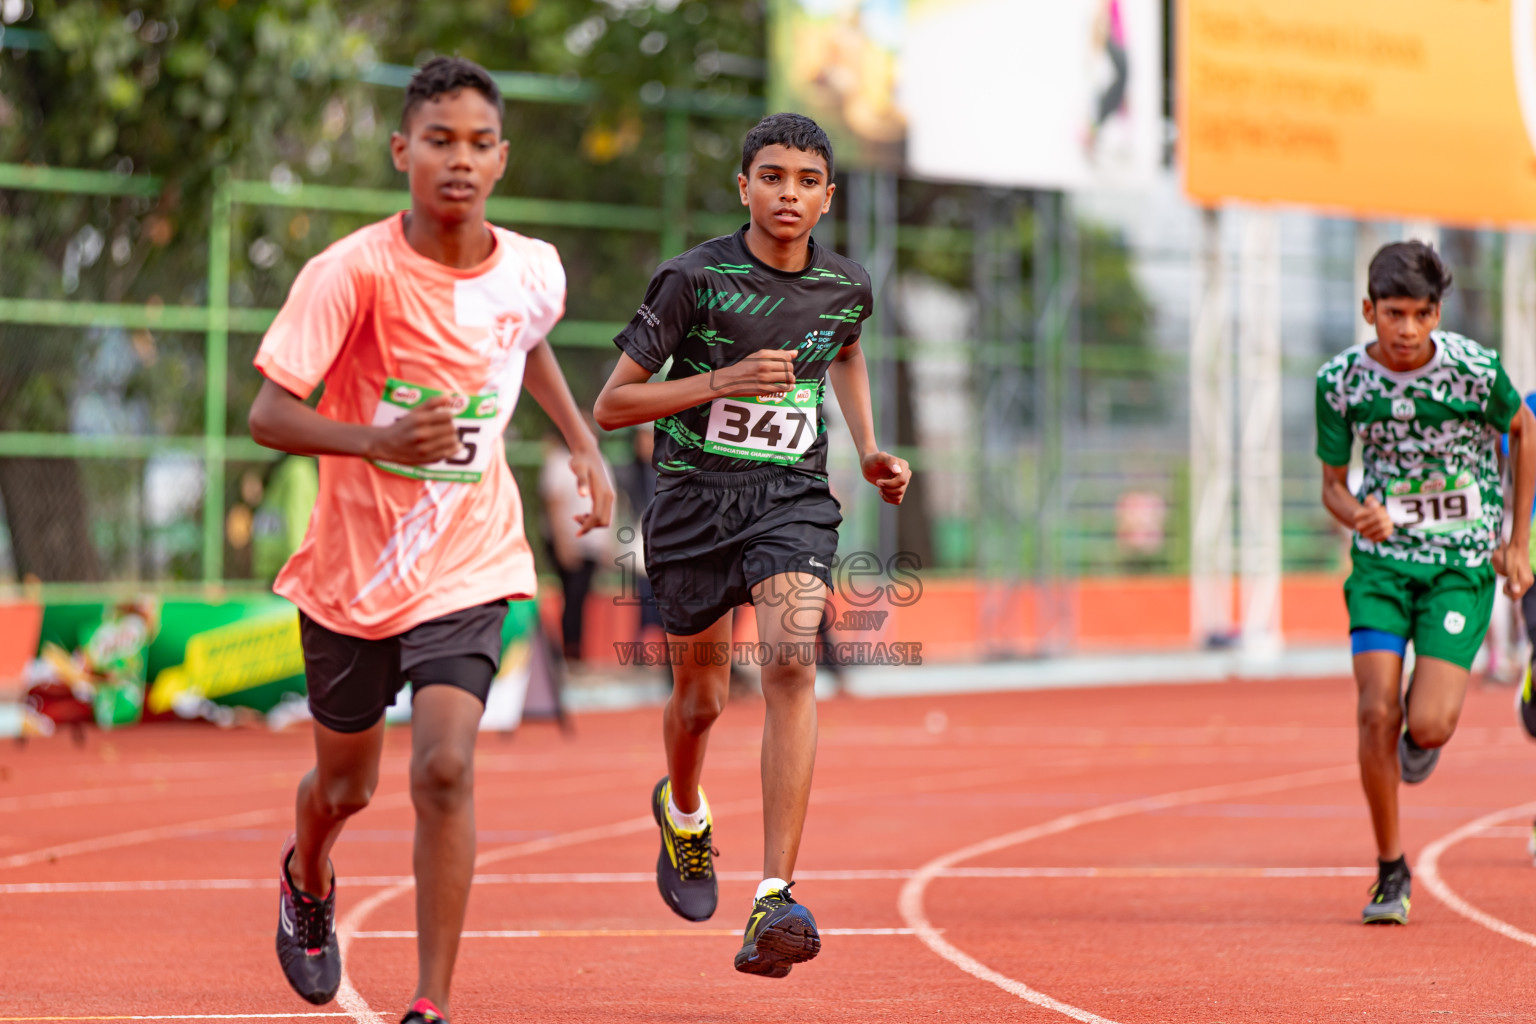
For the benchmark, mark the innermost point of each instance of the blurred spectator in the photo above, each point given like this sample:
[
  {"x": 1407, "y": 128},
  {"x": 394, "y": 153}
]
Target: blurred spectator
[
  {"x": 575, "y": 557},
  {"x": 287, "y": 498}
]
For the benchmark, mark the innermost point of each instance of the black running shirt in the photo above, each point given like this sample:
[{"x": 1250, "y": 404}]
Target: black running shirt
[{"x": 717, "y": 304}]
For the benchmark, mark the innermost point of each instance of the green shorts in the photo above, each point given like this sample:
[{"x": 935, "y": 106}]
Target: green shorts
[{"x": 1443, "y": 609}]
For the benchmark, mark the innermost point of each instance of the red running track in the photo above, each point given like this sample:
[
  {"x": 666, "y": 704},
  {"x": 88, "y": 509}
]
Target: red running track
[{"x": 1186, "y": 853}]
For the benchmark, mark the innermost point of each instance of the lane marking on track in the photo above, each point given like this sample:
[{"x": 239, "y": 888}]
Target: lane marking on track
[
  {"x": 1428, "y": 871},
  {"x": 348, "y": 996},
  {"x": 647, "y": 877},
  {"x": 357, "y": 1007},
  {"x": 1504, "y": 832},
  {"x": 914, "y": 915},
  {"x": 620, "y": 933},
  {"x": 140, "y": 835},
  {"x": 158, "y": 790}
]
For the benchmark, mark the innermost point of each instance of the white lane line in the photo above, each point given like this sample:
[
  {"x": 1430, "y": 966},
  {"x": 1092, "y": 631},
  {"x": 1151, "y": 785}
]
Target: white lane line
[
  {"x": 620, "y": 933},
  {"x": 361, "y": 1012},
  {"x": 139, "y": 836},
  {"x": 914, "y": 915},
  {"x": 1155, "y": 872},
  {"x": 160, "y": 789},
  {"x": 347, "y": 930},
  {"x": 647, "y": 877},
  {"x": 1428, "y": 872},
  {"x": 1504, "y": 832}
]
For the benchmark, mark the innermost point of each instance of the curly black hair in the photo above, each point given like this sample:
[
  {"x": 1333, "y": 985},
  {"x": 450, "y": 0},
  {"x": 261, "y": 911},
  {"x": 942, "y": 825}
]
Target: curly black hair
[
  {"x": 793, "y": 130},
  {"x": 1408, "y": 270},
  {"x": 444, "y": 75}
]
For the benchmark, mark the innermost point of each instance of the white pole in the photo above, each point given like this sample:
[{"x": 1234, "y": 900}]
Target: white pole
[
  {"x": 1210, "y": 442},
  {"x": 1368, "y": 238},
  {"x": 1259, "y": 495},
  {"x": 1519, "y": 348}
]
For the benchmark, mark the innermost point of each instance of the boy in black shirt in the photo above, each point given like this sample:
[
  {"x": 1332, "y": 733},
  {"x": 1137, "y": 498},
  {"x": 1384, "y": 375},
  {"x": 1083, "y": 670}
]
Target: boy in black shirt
[{"x": 755, "y": 324}]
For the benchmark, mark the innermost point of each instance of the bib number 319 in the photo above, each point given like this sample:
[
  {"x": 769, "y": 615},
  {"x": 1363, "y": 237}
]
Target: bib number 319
[
  {"x": 765, "y": 429},
  {"x": 474, "y": 418},
  {"x": 1430, "y": 506}
]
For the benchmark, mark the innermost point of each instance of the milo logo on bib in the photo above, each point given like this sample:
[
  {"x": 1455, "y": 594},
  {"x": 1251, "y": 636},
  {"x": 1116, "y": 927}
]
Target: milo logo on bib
[
  {"x": 1438, "y": 503},
  {"x": 765, "y": 428},
  {"x": 474, "y": 418}
]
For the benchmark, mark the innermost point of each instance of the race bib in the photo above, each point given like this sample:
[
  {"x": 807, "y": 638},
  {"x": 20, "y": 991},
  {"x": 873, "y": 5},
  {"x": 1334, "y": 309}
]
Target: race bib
[
  {"x": 1435, "y": 504},
  {"x": 474, "y": 417},
  {"x": 765, "y": 429}
]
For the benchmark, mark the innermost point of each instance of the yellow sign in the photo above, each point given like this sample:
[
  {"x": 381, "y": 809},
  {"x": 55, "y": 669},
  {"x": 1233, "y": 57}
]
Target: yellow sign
[
  {"x": 228, "y": 659},
  {"x": 1414, "y": 108}
]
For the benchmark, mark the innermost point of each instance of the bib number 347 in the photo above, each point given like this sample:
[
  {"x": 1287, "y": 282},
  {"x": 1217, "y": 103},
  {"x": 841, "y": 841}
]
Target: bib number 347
[
  {"x": 474, "y": 418},
  {"x": 765, "y": 429}
]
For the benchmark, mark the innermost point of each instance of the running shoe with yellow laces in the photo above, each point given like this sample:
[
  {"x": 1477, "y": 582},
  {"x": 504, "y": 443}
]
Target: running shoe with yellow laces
[
  {"x": 685, "y": 870},
  {"x": 780, "y": 933},
  {"x": 1389, "y": 894}
]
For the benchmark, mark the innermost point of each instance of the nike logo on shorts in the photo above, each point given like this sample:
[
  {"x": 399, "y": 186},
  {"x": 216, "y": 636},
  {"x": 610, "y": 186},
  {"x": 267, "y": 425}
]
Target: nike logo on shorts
[{"x": 817, "y": 564}]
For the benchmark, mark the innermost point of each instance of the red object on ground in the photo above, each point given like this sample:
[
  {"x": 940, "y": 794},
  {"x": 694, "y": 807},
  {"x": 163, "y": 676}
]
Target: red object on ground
[
  {"x": 1183, "y": 853},
  {"x": 21, "y": 623}
]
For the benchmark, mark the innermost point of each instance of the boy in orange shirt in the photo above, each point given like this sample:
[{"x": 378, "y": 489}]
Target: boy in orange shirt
[{"x": 424, "y": 328}]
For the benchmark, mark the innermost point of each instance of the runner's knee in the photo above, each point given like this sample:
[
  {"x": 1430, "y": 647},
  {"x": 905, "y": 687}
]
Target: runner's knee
[
  {"x": 1380, "y": 718},
  {"x": 696, "y": 711},
  {"x": 1432, "y": 730},
  {"x": 441, "y": 776},
  {"x": 787, "y": 680},
  {"x": 345, "y": 795}
]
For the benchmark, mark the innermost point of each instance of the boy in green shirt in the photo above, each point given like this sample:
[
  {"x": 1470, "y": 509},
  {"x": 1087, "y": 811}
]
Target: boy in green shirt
[{"x": 1428, "y": 407}]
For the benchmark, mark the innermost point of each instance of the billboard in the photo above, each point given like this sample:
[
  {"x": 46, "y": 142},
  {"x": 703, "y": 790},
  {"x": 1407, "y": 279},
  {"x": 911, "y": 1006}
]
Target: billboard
[
  {"x": 1037, "y": 93},
  {"x": 1016, "y": 93},
  {"x": 836, "y": 61},
  {"x": 1409, "y": 108}
]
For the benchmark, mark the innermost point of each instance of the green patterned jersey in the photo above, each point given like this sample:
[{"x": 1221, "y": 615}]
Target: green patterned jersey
[{"x": 1429, "y": 445}]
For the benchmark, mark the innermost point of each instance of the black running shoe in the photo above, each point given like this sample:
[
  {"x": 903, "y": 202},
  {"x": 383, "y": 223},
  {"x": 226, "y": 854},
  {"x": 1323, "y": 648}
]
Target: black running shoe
[
  {"x": 1389, "y": 895},
  {"x": 306, "y": 937},
  {"x": 685, "y": 870},
  {"x": 1525, "y": 705},
  {"x": 780, "y": 933},
  {"x": 1415, "y": 763},
  {"x": 423, "y": 1012}
]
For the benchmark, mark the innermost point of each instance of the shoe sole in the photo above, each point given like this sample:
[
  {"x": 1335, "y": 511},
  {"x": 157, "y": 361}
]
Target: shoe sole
[
  {"x": 1386, "y": 919},
  {"x": 662, "y": 862},
  {"x": 1414, "y": 777},
  {"x": 779, "y": 948}
]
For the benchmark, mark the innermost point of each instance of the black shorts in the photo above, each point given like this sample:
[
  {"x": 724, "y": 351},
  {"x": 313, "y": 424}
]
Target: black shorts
[
  {"x": 353, "y": 681},
  {"x": 711, "y": 537}
]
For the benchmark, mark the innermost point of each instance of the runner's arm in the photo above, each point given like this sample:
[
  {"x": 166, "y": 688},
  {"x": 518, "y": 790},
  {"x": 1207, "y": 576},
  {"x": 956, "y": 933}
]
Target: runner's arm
[
  {"x": 1368, "y": 519},
  {"x": 850, "y": 382},
  {"x": 631, "y": 397},
  {"x": 278, "y": 419},
  {"x": 1515, "y": 555},
  {"x": 546, "y": 383}
]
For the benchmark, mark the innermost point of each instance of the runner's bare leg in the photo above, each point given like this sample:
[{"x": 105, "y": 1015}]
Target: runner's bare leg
[
  {"x": 699, "y": 692},
  {"x": 789, "y": 608},
  {"x": 444, "y": 723}
]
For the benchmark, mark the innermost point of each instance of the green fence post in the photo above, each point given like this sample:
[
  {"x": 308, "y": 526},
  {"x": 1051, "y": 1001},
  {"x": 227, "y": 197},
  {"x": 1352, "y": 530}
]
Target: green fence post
[
  {"x": 216, "y": 361},
  {"x": 674, "y": 185}
]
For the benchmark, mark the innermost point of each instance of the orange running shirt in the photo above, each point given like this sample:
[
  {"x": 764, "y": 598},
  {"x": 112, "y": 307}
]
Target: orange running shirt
[{"x": 386, "y": 328}]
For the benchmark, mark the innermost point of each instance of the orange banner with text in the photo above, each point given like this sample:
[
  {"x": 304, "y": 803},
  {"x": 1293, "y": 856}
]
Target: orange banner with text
[{"x": 1411, "y": 108}]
